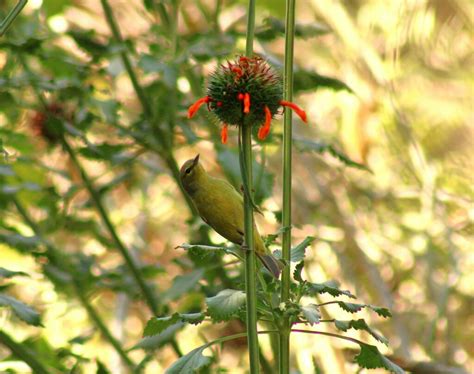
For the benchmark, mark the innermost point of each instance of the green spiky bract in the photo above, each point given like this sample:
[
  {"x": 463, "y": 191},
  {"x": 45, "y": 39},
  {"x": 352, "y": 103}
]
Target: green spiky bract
[{"x": 245, "y": 75}]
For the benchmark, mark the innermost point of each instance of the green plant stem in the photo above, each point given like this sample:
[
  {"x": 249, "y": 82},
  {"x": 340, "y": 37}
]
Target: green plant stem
[
  {"x": 150, "y": 299},
  {"x": 24, "y": 354},
  {"x": 6, "y": 23},
  {"x": 329, "y": 334},
  {"x": 165, "y": 151},
  {"x": 94, "y": 316},
  {"x": 78, "y": 289},
  {"x": 250, "y": 262},
  {"x": 284, "y": 350}
]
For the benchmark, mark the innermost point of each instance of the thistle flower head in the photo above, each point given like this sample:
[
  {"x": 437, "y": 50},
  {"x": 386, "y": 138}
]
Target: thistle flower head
[{"x": 245, "y": 92}]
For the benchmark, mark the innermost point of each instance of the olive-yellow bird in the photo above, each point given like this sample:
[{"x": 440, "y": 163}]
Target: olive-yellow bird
[{"x": 222, "y": 208}]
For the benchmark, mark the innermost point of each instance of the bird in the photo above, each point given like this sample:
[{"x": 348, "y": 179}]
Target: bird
[{"x": 222, "y": 207}]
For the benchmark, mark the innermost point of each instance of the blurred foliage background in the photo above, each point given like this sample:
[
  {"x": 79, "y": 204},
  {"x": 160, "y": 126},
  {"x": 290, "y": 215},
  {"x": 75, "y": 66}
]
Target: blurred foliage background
[{"x": 389, "y": 83}]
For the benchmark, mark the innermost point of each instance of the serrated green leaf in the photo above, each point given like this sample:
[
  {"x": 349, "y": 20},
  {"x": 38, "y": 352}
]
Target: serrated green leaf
[
  {"x": 359, "y": 324},
  {"x": 22, "y": 311},
  {"x": 270, "y": 239},
  {"x": 304, "y": 145},
  {"x": 158, "y": 324},
  {"x": 298, "y": 252},
  {"x": 351, "y": 307},
  {"x": 191, "y": 362},
  {"x": 156, "y": 341},
  {"x": 311, "y": 313},
  {"x": 182, "y": 284},
  {"x": 382, "y": 312},
  {"x": 5, "y": 273},
  {"x": 297, "y": 273},
  {"x": 330, "y": 287},
  {"x": 226, "y": 303},
  {"x": 354, "y": 308},
  {"x": 370, "y": 358}
]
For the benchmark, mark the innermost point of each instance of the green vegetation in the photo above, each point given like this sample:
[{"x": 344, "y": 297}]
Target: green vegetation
[{"x": 105, "y": 264}]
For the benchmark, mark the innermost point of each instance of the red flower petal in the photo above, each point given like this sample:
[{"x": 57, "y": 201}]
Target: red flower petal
[
  {"x": 246, "y": 103},
  {"x": 224, "y": 134},
  {"x": 264, "y": 130},
  {"x": 194, "y": 108},
  {"x": 300, "y": 112}
]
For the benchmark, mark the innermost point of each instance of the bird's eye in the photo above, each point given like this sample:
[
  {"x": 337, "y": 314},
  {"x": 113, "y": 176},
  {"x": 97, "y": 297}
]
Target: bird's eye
[{"x": 188, "y": 170}]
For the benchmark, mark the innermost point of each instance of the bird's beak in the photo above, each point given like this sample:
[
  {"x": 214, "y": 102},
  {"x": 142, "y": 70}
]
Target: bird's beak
[{"x": 196, "y": 160}]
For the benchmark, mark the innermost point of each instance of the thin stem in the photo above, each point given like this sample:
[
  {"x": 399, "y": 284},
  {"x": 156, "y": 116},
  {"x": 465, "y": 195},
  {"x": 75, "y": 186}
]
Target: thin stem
[
  {"x": 250, "y": 29},
  {"x": 79, "y": 291},
  {"x": 165, "y": 151},
  {"x": 6, "y": 23},
  {"x": 150, "y": 299},
  {"x": 24, "y": 354},
  {"x": 329, "y": 334},
  {"x": 284, "y": 359},
  {"x": 94, "y": 316},
  {"x": 250, "y": 262},
  {"x": 124, "y": 56}
]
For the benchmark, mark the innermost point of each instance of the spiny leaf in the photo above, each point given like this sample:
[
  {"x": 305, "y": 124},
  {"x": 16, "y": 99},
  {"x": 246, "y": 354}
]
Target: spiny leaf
[
  {"x": 304, "y": 145},
  {"x": 22, "y": 311},
  {"x": 226, "y": 303},
  {"x": 157, "y": 325},
  {"x": 191, "y": 362},
  {"x": 311, "y": 313},
  {"x": 370, "y": 358},
  {"x": 330, "y": 287},
  {"x": 359, "y": 324},
  {"x": 5, "y": 273}
]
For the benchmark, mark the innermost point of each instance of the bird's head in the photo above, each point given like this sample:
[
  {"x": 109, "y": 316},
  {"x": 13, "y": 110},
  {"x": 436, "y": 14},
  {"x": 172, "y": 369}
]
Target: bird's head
[{"x": 190, "y": 173}]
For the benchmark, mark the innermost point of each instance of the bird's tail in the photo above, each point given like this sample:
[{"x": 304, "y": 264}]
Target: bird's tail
[{"x": 271, "y": 263}]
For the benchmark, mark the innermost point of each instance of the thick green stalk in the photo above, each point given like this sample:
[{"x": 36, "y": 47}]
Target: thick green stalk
[
  {"x": 146, "y": 291},
  {"x": 93, "y": 315},
  {"x": 6, "y": 23},
  {"x": 284, "y": 351},
  {"x": 24, "y": 354},
  {"x": 250, "y": 262}
]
